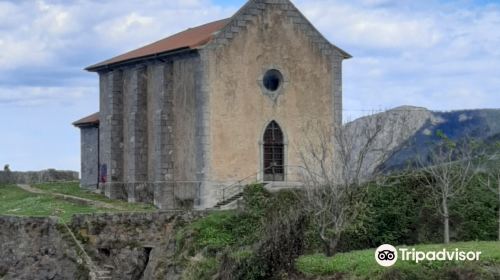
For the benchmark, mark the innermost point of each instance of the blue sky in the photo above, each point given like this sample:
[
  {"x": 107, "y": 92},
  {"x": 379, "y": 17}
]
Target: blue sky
[{"x": 442, "y": 55}]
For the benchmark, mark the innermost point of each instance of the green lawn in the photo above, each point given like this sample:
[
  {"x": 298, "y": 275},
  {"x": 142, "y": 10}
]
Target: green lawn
[
  {"x": 17, "y": 202},
  {"x": 73, "y": 188},
  {"x": 362, "y": 264},
  {"x": 70, "y": 188}
]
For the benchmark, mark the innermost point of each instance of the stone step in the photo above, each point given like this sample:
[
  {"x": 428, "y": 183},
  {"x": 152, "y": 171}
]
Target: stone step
[{"x": 229, "y": 200}]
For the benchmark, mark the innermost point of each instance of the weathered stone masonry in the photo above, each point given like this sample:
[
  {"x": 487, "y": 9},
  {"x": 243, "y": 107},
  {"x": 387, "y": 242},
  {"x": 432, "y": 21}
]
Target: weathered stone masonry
[
  {"x": 135, "y": 127},
  {"x": 161, "y": 130},
  {"x": 111, "y": 133},
  {"x": 150, "y": 124},
  {"x": 337, "y": 90},
  {"x": 90, "y": 156}
]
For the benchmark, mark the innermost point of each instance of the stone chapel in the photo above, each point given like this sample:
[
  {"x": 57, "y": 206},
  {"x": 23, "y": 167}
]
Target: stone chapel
[{"x": 185, "y": 121}]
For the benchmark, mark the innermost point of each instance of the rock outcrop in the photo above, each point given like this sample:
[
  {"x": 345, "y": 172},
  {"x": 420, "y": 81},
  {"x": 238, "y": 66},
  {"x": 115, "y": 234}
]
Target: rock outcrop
[
  {"x": 391, "y": 129},
  {"x": 35, "y": 248},
  {"x": 121, "y": 246},
  {"x": 410, "y": 131}
]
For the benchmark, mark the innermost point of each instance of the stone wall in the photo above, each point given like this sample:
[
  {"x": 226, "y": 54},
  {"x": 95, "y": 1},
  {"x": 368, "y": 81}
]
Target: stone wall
[
  {"x": 264, "y": 35},
  {"x": 135, "y": 134},
  {"x": 160, "y": 132},
  {"x": 34, "y": 177},
  {"x": 89, "y": 156},
  {"x": 148, "y": 131}
]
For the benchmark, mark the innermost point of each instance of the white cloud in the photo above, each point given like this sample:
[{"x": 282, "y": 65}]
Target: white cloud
[
  {"x": 371, "y": 27},
  {"x": 42, "y": 36},
  {"x": 40, "y": 96},
  {"x": 430, "y": 54},
  {"x": 14, "y": 54},
  {"x": 32, "y": 34},
  {"x": 54, "y": 20},
  {"x": 10, "y": 14},
  {"x": 129, "y": 28},
  {"x": 148, "y": 24}
]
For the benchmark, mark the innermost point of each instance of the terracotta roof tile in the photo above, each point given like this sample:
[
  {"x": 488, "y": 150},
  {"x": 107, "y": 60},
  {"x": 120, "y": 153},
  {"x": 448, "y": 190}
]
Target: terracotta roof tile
[
  {"x": 88, "y": 120},
  {"x": 191, "y": 38}
]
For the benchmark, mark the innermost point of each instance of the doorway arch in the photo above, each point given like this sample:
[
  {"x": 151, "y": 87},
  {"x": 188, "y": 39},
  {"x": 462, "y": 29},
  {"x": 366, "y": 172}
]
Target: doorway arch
[{"x": 273, "y": 156}]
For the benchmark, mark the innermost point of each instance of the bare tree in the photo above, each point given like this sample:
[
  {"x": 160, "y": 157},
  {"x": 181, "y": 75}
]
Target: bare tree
[
  {"x": 489, "y": 165},
  {"x": 335, "y": 161},
  {"x": 447, "y": 171}
]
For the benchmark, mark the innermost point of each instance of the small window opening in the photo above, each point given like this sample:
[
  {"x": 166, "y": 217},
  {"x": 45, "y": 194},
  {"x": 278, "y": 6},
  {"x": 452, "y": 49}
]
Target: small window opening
[{"x": 272, "y": 80}]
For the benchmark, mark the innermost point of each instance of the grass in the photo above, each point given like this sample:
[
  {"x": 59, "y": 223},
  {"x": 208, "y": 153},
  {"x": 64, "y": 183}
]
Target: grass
[
  {"x": 222, "y": 229},
  {"x": 17, "y": 202},
  {"x": 215, "y": 231},
  {"x": 69, "y": 188},
  {"x": 73, "y": 188},
  {"x": 361, "y": 264}
]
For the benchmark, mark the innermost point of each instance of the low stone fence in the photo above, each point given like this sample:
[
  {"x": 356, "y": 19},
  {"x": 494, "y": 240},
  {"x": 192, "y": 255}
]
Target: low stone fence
[{"x": 34, "y": 177}]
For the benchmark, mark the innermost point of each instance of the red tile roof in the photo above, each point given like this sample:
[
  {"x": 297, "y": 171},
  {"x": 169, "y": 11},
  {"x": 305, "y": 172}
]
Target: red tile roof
[
  {"x": 89, "y": 120},
  {"x": 191, "y": 38}
]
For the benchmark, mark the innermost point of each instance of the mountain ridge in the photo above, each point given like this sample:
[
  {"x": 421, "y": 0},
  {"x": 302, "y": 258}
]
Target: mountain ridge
[{"x": 410, "y": 130}]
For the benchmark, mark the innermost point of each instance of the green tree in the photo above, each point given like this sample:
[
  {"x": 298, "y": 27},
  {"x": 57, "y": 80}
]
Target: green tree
[
  {"x": 448, "y": 170},
  {"x": 490, "y": 168}
]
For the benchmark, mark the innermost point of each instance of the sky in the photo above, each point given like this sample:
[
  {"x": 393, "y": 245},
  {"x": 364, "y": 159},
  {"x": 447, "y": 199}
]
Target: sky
[{"x": 442, "y": 55}]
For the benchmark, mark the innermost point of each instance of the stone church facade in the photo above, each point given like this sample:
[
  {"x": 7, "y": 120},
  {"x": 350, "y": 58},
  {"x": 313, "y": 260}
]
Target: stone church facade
[{"x": 184, "y": 118}]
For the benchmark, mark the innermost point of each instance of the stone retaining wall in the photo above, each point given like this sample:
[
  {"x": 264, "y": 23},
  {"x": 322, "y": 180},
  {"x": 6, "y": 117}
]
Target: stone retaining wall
[{"x": 33, "y": 177}]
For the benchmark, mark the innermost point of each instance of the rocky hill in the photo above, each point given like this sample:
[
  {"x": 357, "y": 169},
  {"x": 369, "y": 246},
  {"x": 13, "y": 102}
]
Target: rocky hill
[{"x": 409, "y": 131}]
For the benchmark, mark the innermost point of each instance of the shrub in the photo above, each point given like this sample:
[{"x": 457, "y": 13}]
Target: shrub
[
  {"x": 405, "y": 213},
  {"x": 260, "y": 241},
  {"x": 274, "y": 256},
  {"x": 474, "y": 214}
]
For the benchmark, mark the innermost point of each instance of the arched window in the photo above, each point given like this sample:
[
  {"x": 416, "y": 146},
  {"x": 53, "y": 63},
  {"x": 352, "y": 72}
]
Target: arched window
[{"x": 274, "y": 153}]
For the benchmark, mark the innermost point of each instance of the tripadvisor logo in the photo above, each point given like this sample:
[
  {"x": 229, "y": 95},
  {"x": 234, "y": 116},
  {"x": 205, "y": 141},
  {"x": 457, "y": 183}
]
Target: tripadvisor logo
[{"x": 387, "y": 255}]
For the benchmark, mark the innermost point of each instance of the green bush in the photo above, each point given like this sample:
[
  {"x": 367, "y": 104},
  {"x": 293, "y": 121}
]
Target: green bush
[
  {"x": 217, "y": 231},
  {"x": 282, "y": 241},
  {"x": 258, "y": 242},
  {"x": 406, "y": 213},
  {"x": 474, "y": 213}
]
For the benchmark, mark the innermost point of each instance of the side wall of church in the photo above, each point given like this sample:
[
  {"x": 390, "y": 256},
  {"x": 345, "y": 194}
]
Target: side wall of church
[
  {"x": 148, "y": 131},
  {"x": 89, "y": 138}
]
